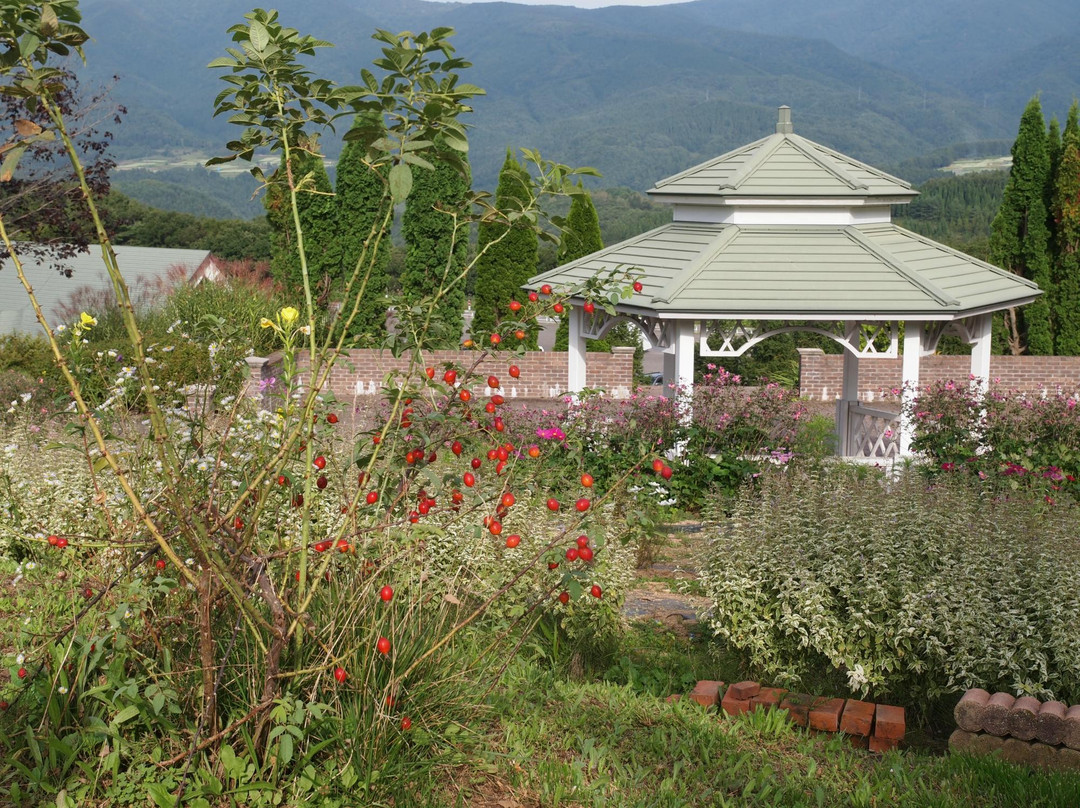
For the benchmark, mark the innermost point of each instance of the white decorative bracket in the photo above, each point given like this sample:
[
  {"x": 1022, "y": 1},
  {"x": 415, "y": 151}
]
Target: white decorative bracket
[
  {"x": 863, "y": 339},
  {"x": 966, "y": 329},
  {"x": 661, "y": 333}
]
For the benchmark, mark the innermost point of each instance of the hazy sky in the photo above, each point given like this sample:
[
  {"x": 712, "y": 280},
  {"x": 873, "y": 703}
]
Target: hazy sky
[{"x": 581, "y": 3}]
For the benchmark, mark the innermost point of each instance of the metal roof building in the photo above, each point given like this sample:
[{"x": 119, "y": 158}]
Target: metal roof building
[
  {"x": 148, "y": 271},
  {"x": 787, "y": 229}
]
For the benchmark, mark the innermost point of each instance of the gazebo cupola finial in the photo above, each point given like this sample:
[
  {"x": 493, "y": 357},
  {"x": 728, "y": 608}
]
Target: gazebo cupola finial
[{"x": 783, "y": 122}]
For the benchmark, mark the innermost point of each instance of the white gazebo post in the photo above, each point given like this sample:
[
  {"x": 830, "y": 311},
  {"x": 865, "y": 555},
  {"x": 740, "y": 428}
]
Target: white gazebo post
[
  {"x": 679, "y": 367},
  {"x": 913, "y": 332},
  {"x": 575, "y": 382},
  {"x": 849, "y": 392},
  {"x": 980, "y": 331}
]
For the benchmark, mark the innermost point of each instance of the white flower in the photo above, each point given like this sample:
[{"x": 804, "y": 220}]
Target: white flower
[
  {"x": 20, "y": 659},
  {"x": 61, "y": 690},
  {"x": 31, "y": 565}
]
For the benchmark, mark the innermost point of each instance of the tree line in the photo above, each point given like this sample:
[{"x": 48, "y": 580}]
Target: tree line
[{"x": 1036, "y": 234}]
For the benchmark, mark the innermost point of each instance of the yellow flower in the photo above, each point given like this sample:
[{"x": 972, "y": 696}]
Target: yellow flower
[
  {"x": 288, "y": 315},
  {"x": 266, "y": 323},
  {"x": 86, "y": 320}
]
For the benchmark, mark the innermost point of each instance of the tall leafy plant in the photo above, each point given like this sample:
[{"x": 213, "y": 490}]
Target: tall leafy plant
[{"x": 235, "y": 512}]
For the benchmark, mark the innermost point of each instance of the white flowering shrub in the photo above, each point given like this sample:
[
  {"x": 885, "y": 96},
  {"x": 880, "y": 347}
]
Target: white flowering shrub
[{"x": 899, "y": 589}]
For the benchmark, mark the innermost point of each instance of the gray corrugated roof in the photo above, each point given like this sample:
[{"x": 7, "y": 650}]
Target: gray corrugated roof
[
  {"x": 142, "y": 267},
  {"x": 814, "y": 271},
  {"x": 783, "y": 165}
]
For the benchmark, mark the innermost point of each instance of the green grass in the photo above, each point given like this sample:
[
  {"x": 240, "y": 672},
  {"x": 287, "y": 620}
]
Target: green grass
[{"x": 561, "y": 743}]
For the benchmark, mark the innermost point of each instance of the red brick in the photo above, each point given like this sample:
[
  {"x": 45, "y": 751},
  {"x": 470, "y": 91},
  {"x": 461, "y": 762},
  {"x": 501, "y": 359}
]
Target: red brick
[
  {"x": 889, "y": 722},
  {"x": 825, "y": 714},
  {"x": 707, "y": 692},
  {"x": 767, "y": 698},
  {"x": 820, "y": 373},
  {"x": 734, "y": 706},
  {"x": 744, "y": 690},
  {"x": 674, "y": 697},
  {"x": 798, "y": 707},
  {"x": 878, "y": 744},
  {"x": 859, "y": 741},
  {"x": 858, "y": 718}
]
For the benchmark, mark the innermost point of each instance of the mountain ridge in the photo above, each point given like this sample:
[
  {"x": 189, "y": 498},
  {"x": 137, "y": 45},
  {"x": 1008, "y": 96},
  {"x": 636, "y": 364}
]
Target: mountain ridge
[{"x": 637, "y": 92}]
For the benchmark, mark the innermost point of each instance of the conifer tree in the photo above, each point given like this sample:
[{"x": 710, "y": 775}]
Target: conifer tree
[
  {"x": 430, "y": 235},
  {"x": 581, "y": 237},
  {"x": 318, "y": 218},
  {"x": 507, "y": 255},
  {"x": 1066, "y": 215},
  {"x": 362, "y": 207},
  {"x": 1053, "y": 149},
  {"x": 1072, "y": 122},
  {"x": 1019, "y": 239}
]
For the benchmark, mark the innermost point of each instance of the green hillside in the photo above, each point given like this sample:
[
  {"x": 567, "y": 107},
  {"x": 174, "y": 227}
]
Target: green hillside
[
  {"x": 946, "y": 42},
  {"x": 639, "y": 93}
]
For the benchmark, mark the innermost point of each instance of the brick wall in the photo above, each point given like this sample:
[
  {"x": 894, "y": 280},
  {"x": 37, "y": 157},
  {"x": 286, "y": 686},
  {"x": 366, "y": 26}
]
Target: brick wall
[
  {"x": 821, "y": 375},
  {"x": 543, "y": 374}
]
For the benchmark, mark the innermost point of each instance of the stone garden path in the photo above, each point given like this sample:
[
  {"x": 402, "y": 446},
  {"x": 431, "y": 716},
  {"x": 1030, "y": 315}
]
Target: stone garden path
[{"x": 658, "y": 593}]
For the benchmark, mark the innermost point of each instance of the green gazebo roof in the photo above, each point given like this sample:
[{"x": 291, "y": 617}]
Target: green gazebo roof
[
  {"x": 813, "y": 272},
  {"x": 783, "y": 165},
  {"x": 785, "y": 228}
]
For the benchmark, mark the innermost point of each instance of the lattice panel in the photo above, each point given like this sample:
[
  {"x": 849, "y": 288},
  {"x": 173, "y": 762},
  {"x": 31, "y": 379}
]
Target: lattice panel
[{"x": 873, "y": 434}]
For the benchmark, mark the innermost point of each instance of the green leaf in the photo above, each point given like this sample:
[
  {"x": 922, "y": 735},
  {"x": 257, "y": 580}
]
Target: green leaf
[
  {"x": 126, "y": 714},
  {"x": 456, "y": 143},
  {"x": 161, "y": 795},
  {"x": 49, "y": 22},
  {"x": 401, "y": 181},
  {"x": 28, "y": 45},
  {"x": 259, "y": 36},
  {"x": 11, "y": 162},
  {"x": 223, "y": 61},
  {"x": 285, "y": 749}
]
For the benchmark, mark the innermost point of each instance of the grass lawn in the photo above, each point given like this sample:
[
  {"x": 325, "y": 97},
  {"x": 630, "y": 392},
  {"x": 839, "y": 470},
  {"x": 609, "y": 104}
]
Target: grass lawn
[{"x": 554, "y": 742}]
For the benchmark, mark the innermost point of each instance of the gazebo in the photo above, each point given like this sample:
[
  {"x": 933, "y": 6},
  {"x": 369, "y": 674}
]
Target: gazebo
[{"x": 785, "y": 229}]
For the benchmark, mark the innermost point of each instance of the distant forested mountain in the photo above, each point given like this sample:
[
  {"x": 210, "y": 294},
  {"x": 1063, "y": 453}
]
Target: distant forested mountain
[
  {"x": 192, "y": 190},
  {"x": 639, "y": 93},
  {"x": 956, "y": 210}
]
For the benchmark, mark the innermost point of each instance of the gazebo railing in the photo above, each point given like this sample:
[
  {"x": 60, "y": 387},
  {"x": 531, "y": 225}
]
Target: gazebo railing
[{"x": 871, "y": 433}]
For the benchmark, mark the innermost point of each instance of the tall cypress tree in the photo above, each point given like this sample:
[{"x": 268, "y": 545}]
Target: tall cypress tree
[
  {"x": 1019, "y": 239},
  {"x": 362, "y": 204},
  {"x": 507, "y": 254},
  {"x": 580, "y": 237},
  {"x": 1066, "y": 214},
  {"x": 318, "y": 219},
  {"x": 1053, "y": 149},
  {"x": 428, "y": 226},
  {"x": 1072, "y": 122}
]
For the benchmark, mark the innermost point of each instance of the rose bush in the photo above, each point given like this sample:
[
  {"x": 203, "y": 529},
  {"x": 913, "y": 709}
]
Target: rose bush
[{"x": 1008, "y": 439}]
